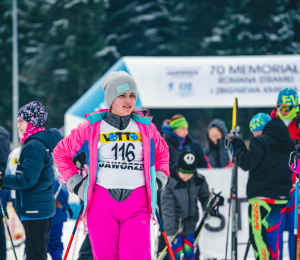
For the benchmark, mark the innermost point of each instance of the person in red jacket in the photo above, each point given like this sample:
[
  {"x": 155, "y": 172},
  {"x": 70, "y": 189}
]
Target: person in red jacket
[{"x": 288, "y": 110}]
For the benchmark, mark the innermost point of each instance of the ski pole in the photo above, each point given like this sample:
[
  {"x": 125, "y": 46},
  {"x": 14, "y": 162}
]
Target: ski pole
[
  {"x": 12, "y": 244},
  {"x": 233, "y": 203},
  {"x": 165, "y": 236},
  {"x": 247, "y": 249},
  {"x": 74, "y": 231},
  {"x": 296, "y": 201},
  {"x": 163, "y": 252},
  {"x": 76, "y": 239},
  {"x": 227, "y": 236},
  {"x": 213, "y": 204},
  {"x": 58, "y": 190}
]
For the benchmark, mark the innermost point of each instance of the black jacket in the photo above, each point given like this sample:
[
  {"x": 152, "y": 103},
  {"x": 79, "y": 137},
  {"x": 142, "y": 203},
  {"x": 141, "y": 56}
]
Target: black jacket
[
  {"x": 179, "y": 200},
  {"x": 34, "y": 179},
  {"x": 5, "y": 148},
  {"x": 267, "y": 161},
  {"x": 217, "y": 155},
  {"x": 175, "y": 148}
]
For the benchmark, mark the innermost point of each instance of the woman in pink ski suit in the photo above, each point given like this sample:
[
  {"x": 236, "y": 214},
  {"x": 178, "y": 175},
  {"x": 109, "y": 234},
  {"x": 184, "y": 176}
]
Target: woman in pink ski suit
[{"x": 128, "y": 161}]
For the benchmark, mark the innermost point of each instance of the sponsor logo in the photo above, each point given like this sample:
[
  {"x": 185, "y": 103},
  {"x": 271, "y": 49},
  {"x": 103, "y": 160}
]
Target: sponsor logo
[
  {"x": 122, "y": 166},
  {"x": 255, "y": 216},
  {"x": 257, "y": 122},
  {"x": 290, "y": 100},
  {"x": 14, "y": 161},
  {"x": 183, "y": 73},
  {"x": 120, "y": 136},
  {"x": 264, "y": 254}
]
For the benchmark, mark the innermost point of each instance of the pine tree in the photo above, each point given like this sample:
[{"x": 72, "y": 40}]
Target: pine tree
[
  {"x": 137, "y": 28},
  {"x": 192, "y": 20},
  {"x": 5, "y": 64},
  {"x": 294, "y": 12},
  {"x": 252, "y": 27},
  {"x": 66, "y": 63}
]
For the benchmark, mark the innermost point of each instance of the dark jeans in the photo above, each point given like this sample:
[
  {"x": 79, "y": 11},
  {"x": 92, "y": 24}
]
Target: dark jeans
[
  {"x": 2, "y": 240},
  {"x": 85, "y": 252},
  {"x": 37, "y": 238}
]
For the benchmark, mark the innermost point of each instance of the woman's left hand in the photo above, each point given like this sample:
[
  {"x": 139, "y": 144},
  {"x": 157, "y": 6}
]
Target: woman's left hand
[{"x": 161, "y": 180}]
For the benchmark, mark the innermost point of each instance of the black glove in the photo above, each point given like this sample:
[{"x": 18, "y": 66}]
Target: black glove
[
  {"x": 2, "y": 172},
  {"x": 70, "y": 212},
  {"x": 294, "y": 155},
  {"x": 79, "y": 160},
  {"x": 234, "y": 134},
  {"x": 293, "y": 159}
]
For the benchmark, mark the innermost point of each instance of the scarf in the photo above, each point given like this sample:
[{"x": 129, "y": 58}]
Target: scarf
[{"x": 31, "y": 130}]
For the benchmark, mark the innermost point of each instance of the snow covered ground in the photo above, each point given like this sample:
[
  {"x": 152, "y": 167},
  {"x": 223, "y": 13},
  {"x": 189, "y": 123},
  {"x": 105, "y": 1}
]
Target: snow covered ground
[{"x": 67, "y": 231}]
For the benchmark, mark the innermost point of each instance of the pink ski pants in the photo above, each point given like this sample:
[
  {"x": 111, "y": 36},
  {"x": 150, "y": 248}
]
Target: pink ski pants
[{"x": 119, "y": 230}]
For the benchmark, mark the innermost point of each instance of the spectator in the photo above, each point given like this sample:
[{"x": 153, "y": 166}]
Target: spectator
[
  {"x": 11, "y": 166},
  {"x": 288, "y": 111},
  {"x": 180, "y": 199},
  {"x": 34, "y": 179},
  {"x": 55, "y": 246},
  {"x": 175, "y": 132},
  {"x": 5, "y": 148},
  {"x": 4, "y": 152},
  {"x": 215, "y": 152},
  {"x": 5, "y": 197},
  {"x": 269, "y": 182}
]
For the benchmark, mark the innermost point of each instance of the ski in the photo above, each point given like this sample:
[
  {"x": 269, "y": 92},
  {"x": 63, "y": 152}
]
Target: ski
[
  {"x": 247, "y": 249},
  {"x": 164, "y": 251}
]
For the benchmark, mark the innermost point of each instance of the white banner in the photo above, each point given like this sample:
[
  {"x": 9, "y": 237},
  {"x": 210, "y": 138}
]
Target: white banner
[
  {"x": 255, "y": 80},
  {"x": 213, "y": 244}
]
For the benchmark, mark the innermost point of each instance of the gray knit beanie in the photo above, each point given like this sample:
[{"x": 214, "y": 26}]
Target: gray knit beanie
[{"x": 116, "y": 84}]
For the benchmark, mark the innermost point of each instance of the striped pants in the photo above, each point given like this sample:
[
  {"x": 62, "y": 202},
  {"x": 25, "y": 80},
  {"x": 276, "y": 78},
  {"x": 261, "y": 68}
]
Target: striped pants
[
  {"x": 264, "y": 223},
  {"x": 184, "y": 244}
]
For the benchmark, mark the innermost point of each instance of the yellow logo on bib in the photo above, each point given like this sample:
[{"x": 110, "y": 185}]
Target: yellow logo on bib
[
  {"x": 14, "y": 160},
  {"x": 120, "y": 137}
]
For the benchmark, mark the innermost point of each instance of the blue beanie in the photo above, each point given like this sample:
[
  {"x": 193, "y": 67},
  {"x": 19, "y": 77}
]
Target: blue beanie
[
  {"x": 288, "y": 97},
  {"x": 259, "y": 121}
]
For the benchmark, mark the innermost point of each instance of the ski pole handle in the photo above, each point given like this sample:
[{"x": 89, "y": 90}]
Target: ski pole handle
[{"x": 297, "y": 147}]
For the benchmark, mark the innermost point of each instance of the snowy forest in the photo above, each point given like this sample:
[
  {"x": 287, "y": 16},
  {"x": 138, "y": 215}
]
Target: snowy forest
[{"x": 66, "y": 45}]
